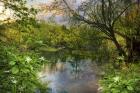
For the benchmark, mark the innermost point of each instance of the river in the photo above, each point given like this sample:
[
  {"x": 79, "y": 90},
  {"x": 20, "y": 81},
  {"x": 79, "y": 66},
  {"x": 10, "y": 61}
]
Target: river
[{"x": 71, "y": 77}]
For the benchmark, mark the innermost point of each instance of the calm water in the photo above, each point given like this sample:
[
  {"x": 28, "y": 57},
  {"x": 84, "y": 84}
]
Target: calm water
[{"x": 71, "y": 77}]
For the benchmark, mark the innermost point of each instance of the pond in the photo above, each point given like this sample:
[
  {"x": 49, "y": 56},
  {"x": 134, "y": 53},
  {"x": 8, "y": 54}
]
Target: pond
[{"x": 71, "y": 76}]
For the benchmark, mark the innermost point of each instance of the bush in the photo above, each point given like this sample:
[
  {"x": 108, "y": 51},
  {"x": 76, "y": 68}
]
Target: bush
[
  {"x": 18, "y": 70},
  {"x": 121, "y": 80}
]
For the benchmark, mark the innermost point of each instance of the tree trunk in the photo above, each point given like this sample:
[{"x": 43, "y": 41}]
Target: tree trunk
[{"x": 119, "y": 48}]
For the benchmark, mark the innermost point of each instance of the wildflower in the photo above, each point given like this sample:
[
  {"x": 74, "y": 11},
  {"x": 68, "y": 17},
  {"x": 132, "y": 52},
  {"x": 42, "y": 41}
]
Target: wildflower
[
  {"x": 40, "y": 42},
  {"x": 12, "y": 77},
  {"x": 21, "y": 88},
  {"x": 120, "y": 58},
  {"x": 42, "y": 58},
  {"x": 14, "y": 81},
  {"x": 116, "y": 79},
  {"x": 28, "y": 59},
  {"x": 100, "y": 88},
  {"x": 7, "y": 71}
]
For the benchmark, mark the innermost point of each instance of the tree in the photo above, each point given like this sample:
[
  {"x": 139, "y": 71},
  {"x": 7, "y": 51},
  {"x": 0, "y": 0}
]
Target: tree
[
  {"x": 104, "y": 15},
  {"x": 21, "y": 13},
  {"x": 20, "y": 17}
]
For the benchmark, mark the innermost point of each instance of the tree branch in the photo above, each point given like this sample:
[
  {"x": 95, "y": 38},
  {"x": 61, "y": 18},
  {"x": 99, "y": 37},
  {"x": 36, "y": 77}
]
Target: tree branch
[{"x": 121, "y": 13}]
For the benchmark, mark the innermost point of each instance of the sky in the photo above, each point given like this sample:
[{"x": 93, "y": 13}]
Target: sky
[
  {"x": 33, "y": 2},
  {"x": 48, "y": 1},
  {"x": 8, "y": 13}
]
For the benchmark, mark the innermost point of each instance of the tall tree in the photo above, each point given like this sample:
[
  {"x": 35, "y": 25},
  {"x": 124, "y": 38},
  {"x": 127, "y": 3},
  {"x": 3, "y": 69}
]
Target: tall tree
[
  {"x": 103, "y": 15},
  {"x": 20, "y": 12}
]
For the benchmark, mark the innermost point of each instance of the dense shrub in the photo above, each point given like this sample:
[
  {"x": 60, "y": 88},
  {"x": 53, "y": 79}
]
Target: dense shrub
[
  {"x": 18, "y": 70},
  {"x": 125, "y": 80}
]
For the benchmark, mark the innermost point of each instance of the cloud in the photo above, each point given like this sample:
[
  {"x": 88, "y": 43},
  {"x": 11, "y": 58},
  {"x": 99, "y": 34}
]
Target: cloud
[{"x": 49, "y": 1}]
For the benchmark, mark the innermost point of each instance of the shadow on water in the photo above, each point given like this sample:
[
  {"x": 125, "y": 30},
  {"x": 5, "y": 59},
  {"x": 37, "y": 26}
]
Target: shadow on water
[{"x": 70, "y": 74}]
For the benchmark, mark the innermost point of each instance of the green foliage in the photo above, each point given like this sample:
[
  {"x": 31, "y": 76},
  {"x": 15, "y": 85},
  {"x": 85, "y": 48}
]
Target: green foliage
[
  {"x": 18, "y": 70},
  {"x": 21, "y": 14},
  {"x": 126, "y": 80},
  {"x": 20, "y": 59},
  {"x": 82, "y": 40}
]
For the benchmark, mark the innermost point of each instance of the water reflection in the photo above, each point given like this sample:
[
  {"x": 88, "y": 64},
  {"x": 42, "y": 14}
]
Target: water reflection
[{"x": 71, "y": 77}]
